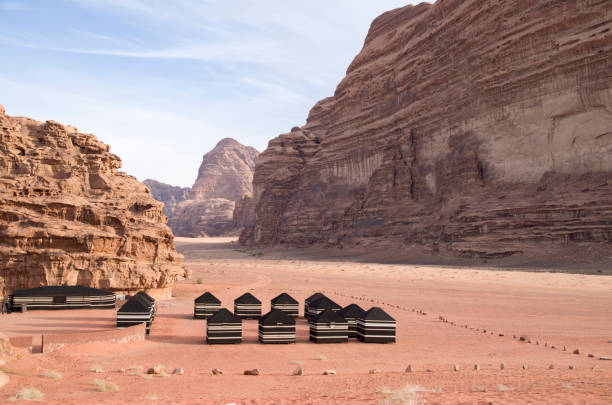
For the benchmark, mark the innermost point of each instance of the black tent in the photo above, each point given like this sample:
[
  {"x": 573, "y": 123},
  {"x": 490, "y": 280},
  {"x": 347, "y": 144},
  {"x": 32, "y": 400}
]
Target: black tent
[
  {"x": 276, "y": 327},
  {"x": 206, "y": 305},
  {"x": 310, "y": 299},
  {"x": 149, "y": 300},
  {"x": 63, "y": 297},
  {"x": 319, "y": 305},
  {"x": 135, "y": 311},
  {"x": 247, "y": 306},
  {"x": 329, "y": 327},
  {"x": 287, "y": 304},
  {"x": 376, "y": 326},
  {"x": 223, "y": 328},
  {"x": 351, "y": 313}
]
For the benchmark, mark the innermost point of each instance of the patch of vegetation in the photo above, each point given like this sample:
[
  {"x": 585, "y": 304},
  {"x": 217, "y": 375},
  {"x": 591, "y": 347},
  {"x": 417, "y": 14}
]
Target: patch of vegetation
[
  {"x": 54, "y": 375},
  {"x": 321, "y": 357},
  {"x": 105, "y": 386},
  {"x": 27, "y": 394},
  {"x": 199, "y": 280},
  {"x": 96, "y": 368},
  {"x": 409, "y": 395}
]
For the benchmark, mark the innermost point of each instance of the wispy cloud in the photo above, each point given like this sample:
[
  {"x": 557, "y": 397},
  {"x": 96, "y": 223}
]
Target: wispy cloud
[{"x": 14, "y": 6}]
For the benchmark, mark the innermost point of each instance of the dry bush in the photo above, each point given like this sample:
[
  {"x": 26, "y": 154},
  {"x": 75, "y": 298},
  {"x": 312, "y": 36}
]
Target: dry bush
[
  {"x": 105, "y": 386},
  {"x": 54, "y": 375},
  {"x": 27, "y": 394},
  {"x": 409, "y": 395},
  {"x": 96, "y": 368},
  {"x": 321, "y": 357}
]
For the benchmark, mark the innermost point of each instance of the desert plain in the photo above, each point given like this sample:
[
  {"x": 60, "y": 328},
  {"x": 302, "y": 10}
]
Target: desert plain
[{"x": 450, "y": 320}]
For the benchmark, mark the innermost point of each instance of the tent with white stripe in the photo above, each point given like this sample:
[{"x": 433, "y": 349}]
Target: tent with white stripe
[
  {"x": 247, "y": 306},
  {"x": 276, "y": 327},
  {"x": 206, "y": 305},
  {"x": 351, "y": 313},
  {"x": 376, "y": 326},
  {"x": 287, "y": 304},
  {"x": 329, "y": 327},
  {"x": 223, "y": 328},
  {"x": 62, "y": 297}
]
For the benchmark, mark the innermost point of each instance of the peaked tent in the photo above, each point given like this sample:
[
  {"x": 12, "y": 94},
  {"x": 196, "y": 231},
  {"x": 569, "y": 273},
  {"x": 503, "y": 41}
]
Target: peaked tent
[
  {"x": 247, "y": 306},
  {"x": 376, "y": 326},
  {"x": 223, "y": 328},
  {"x": 320, "y": 305},
  {"x": 329, "y": 327},
  {"x": 287, "y": 304},
  {"x": 276, "y": 327},
  {"x": 62, "y": 297},
  {"x": 135, "y": 311},
  {"x": 351, "y": 313},
  {"x": 310, "y": 299},
  {"x": 206, "y": 305},
  {"x": 149, "y": 300}
]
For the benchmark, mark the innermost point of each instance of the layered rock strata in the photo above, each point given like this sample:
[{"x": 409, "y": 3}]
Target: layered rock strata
[
  {"x": 69, "y": 216},
  {"x": 473, "y": 128},
  {"x": 207, "y": 208}
]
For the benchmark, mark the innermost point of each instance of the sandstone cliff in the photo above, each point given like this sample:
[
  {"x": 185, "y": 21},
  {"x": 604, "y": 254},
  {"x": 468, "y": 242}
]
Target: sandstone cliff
[
  {"x": 206, "y": 209},
  {"x": 68, "y": 216},
  {"x": 169, "y": 195},
  {"x": 474, "y": 128}
]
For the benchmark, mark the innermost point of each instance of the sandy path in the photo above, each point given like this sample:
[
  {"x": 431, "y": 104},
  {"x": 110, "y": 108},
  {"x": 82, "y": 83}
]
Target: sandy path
[{"x": 551, "y": 309}]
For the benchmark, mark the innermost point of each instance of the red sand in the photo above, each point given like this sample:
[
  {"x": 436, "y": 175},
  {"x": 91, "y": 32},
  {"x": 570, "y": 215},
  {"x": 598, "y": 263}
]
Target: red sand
[{"x": 557, "y": 309}]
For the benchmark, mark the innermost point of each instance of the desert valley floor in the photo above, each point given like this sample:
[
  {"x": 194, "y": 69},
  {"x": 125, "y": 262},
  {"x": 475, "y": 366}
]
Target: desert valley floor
[{"x": 570, "y": 311}]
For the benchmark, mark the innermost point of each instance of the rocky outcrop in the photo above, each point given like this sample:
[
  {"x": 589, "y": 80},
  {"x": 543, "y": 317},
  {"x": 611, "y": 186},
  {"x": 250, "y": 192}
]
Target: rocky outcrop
[
  {"x": 68, "y": 216},
  {"x": 169, "y": 195},
  {"x": 206, "y": 209},
  {"x": 472, "y": 128}
]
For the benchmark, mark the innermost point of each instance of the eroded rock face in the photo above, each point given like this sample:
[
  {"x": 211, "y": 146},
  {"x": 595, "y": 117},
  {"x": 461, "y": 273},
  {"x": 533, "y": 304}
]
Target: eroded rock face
[
  {"x": 68, "y": 216},
  {"x": 207, "y": 209},
  {"x": 475, "y": 128},
  {"x": 169, "y": 195}
]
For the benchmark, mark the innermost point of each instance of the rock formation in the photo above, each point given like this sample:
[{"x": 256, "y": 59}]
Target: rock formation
[
  {"x": 472, "y": 128},
  {"x": 169, "y": 195},
  {"x": 206, "y": 209},
  {"x": 68, "y": 216}
]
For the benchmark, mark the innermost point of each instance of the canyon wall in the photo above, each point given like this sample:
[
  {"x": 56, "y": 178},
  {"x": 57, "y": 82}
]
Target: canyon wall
[
  {"x": 68, "y": 216},
  {"x": 471, "y": 128},
  {"x": 207, "y": 208}
]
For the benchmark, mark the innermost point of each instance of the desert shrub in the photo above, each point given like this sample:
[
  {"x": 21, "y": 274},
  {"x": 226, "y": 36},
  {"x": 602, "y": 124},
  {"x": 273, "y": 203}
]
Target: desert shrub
[
  {"x": 27, "y": 394},
  {"x": 105, "y": 385},
  {"x": 96, "y": 368},
  {"x": 199, "y": 280},
  {"x": 409, "y": 395},
  {"x": 54, "y": 375}
]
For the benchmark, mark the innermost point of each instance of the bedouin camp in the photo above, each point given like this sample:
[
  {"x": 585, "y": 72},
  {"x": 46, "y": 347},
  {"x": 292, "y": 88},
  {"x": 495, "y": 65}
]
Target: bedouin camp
[
  {"x": 276, "y": 327},
  {"x": 287, "y": 304},
  {"x": 206, "y": 305},
  {"x": 329, "y": 327},
  {"x": 319, "y": 305},
  {"x": 351, "y": 313},
  {"x": 247, "y": 306},
  {"x": 223, "y": 328},
  {"x": 376, "y": 326},
  {"x": 62, "y": 297},
  {"x": 136, "y": 310},
  {"x": 310, "y": 299}
]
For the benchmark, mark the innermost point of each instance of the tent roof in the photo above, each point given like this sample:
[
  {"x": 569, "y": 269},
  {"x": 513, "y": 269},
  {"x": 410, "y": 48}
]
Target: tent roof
[
  {"x": 135, "y": 305},
  {"x": 146, "y": 296},
  {"x": 247, "y": 298},
  {"x": 284, "y": 298},
  {"x": 71, "y": 290},
  {"x": 314, "y": 297},
  {"x": 329, "y": 316},
  {"x": 208, "y": 298},
  {"x": 224, "y": 316},
  {"x": 276, "y": 316},
  {"x": 352, "y": 311},
  {"x": 377, "y": 314},
  {"x": 324, "y": 302}
]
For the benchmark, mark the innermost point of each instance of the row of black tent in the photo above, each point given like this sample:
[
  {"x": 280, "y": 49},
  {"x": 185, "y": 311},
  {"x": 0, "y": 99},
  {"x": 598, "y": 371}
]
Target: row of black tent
[
  {"x": 328, "y": 321},
  {"x": 61, "y": 297},
  {"x": 138, "y": 309}
]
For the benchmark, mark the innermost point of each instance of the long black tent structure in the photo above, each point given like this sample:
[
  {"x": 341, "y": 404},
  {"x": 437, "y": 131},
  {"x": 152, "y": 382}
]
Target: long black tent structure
[
  {"x": 135, "y": 311},
  {"x": 329, "y": 327},
  {"x": 223, "y": 328},
  {"x": 287, "y": 304},
  {"x": 247, "y": 306},
  {"x": 321, "y": 304},
  {"x": 310, "y": 299},
  {"x": 351, "y": 313},
  {"x": 206, "y": 305},
  {"x": 276, "y": 327},
  {"x": 376, "y": 326},
  {"x": 149, "y": 300},
  {"x": 62, "y": 297}
]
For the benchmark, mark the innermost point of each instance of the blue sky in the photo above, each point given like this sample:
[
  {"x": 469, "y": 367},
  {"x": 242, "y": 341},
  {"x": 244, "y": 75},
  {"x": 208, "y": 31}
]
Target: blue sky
[{"x": 163, "y": 81}]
